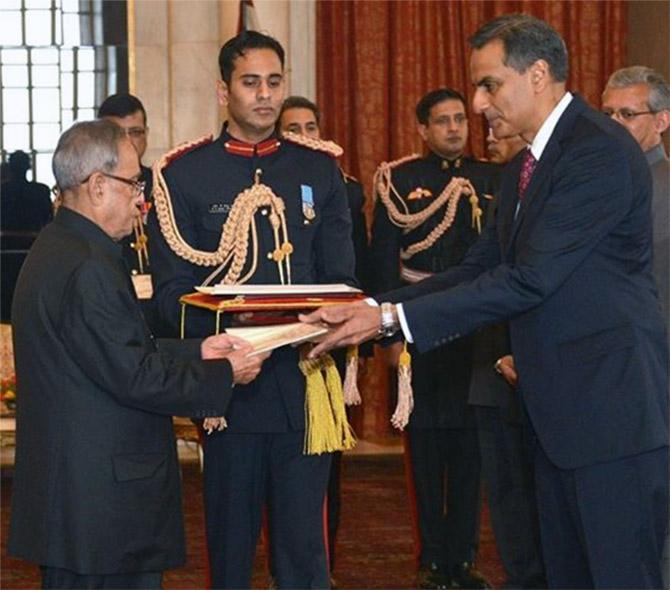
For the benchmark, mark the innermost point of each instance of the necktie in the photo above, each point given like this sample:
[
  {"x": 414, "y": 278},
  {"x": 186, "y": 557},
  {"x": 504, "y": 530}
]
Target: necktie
[{"x": 527, "y": 169}]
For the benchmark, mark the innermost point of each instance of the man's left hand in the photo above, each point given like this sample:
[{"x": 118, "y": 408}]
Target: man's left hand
[
  {"x": 221, "y": 345},
  {"x": 351, "y": 324}
]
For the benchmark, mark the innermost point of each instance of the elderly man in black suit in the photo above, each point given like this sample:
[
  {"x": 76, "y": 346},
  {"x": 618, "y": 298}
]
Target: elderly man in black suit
[
  {"x": 569, "y": 263},
  {"x": 96, "y": 495}
]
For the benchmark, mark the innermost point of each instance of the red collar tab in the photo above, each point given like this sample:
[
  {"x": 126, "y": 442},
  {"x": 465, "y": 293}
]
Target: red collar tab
[{"x": 240, "y": 148}]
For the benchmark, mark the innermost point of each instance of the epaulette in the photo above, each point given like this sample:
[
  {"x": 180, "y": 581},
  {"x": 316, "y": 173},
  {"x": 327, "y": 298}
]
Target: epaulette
[
  {"x": 183, "y": 149},
  {"x": 319, "y": 145}
]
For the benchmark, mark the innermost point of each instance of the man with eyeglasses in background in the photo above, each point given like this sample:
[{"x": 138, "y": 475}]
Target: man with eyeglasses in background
[
  {"x": 639, "y": 98},
  {"x": 128, "y": 112}
]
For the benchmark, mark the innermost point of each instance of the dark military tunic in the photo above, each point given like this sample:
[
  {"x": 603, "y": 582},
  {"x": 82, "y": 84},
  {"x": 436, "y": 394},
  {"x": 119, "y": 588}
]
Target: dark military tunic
[
  {"x": 258, "y": 459},
  {"x": 440, "y": 377},
  {"x": 441, "y": 431}
]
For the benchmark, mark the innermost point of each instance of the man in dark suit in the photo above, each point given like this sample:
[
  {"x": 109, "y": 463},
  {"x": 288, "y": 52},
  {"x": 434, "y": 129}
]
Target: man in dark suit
[
  {"x": 441, "y": 434},
  {"x": 258, "y": 459},
  {"x": 96, "y": 495},
  {"x": 568, "y": 262}
]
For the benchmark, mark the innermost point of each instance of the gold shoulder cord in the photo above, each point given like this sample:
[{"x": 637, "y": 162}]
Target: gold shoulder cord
[
  {"x": 320, "y": 145},
  {"x": 383, "y": 187},
  {"x": 327, "y": 428},
  {"x": 232, "y": 252}
]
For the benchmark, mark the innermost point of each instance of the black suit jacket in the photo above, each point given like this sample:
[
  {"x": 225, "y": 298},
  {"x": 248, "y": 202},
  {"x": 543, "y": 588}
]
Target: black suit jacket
[
  {"x": 96, "y": 481},
  {"x": 572, "y": 272}
]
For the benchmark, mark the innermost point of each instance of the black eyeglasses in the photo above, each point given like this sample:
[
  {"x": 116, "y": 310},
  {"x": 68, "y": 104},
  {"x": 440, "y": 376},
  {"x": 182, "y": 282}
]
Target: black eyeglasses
[
  {"x": 138, "y": 185},
  {"x": 626, "y": 114}
]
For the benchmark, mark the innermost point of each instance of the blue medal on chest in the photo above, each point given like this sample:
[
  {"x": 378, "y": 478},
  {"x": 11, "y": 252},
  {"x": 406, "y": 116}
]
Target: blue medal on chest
[{"x": 307, "y": 197}]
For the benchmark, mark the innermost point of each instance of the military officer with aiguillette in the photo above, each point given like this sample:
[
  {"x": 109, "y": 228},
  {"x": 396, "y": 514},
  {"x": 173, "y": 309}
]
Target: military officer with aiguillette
[
  {"x": 251, "y": 207},
  {"x": 428, "y": 212}
]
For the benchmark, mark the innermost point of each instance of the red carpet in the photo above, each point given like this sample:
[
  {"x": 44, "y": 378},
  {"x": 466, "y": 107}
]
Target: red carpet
[{"x": 375, "y": 538}]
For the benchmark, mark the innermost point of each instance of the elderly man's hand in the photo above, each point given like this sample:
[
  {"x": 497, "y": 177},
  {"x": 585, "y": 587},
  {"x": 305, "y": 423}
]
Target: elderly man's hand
[
  {"x": 236, "y": 351},
  {"x": 350, "y": 324}
]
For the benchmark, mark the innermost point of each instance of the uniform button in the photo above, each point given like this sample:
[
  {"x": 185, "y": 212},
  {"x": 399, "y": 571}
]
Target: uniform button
[
  {"x": 269, "y": 255},
  {"x": 264, "y": 211}
]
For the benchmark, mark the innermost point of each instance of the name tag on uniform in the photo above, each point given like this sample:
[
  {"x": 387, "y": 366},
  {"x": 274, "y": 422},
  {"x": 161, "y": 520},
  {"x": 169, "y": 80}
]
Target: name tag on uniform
[
  {"x": 144, "y": 288},
  {"x": 215, "y": 208},
  {"x": 307, "y": 202}
]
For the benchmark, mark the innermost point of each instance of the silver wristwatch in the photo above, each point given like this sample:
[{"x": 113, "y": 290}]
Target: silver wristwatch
[{"x": 389, "y": 324}]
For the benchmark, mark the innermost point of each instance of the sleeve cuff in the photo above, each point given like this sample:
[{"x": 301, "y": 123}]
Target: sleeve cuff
[{"x": 404, "y": 326}]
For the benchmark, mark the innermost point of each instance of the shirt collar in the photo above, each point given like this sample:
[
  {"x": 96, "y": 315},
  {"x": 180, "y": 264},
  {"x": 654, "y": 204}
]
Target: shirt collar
[{"x": 544, "y": 134}]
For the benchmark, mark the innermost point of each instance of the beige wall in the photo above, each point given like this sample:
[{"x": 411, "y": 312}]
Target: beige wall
[{"x": 174, "y": 66}]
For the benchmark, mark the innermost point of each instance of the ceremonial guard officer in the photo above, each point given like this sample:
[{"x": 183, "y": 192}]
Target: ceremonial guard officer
[
  {"x": 429, "y": 211},
  {"x": 128, "y": 112},
  {"x": 261, "y": 210}
]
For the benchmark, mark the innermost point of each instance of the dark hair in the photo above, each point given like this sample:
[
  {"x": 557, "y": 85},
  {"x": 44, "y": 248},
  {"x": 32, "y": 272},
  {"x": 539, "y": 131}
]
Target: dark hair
[
  {"x": 300, "y": 102},
  {"x": 19, "y": 163},
  {"x": 239, "y": 45},
  {"x": 525, "y": 40},
  {"x": 121, "y": 105},
  {"x": 431, "y": 99}
]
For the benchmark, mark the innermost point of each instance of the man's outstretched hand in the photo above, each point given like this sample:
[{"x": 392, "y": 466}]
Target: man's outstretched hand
[
  {"x": 350, "y": 324},
  {"x": 236, "y": 351}
]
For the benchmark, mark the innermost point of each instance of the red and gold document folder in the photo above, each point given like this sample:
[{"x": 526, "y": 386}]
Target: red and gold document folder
[{"x": 281, "y": 303}]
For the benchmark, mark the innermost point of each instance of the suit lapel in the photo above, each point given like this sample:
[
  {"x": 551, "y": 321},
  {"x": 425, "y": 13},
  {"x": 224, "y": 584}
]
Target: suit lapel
[{"x": 538, "y": 188}]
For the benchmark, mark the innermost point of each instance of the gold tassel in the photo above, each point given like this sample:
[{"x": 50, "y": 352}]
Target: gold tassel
[
  {"x": 405, "y": 403},
  {"x": 343, "y": 431},
  {"x": 352, "y": 397},
  {"x": 326, "y": 426}
]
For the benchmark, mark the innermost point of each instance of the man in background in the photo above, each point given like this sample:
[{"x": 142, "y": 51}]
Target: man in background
[
  {"x": 507, "y": 467},
  {"x": 442, "y": 433},
  {"x": 639, "y": 98},
  {"x": 300, "y": 115},
  {"x": 96, "y": 498},
  {"x": 25, "y": 208},
  {"x": 26, "y": 205},
  {"x": 128, "y": 112}
]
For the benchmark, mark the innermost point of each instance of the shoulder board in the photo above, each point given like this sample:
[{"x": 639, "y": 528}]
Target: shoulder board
[
  {"x": 183, "y": 149},
  {"x": 319, "y": 145}
]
